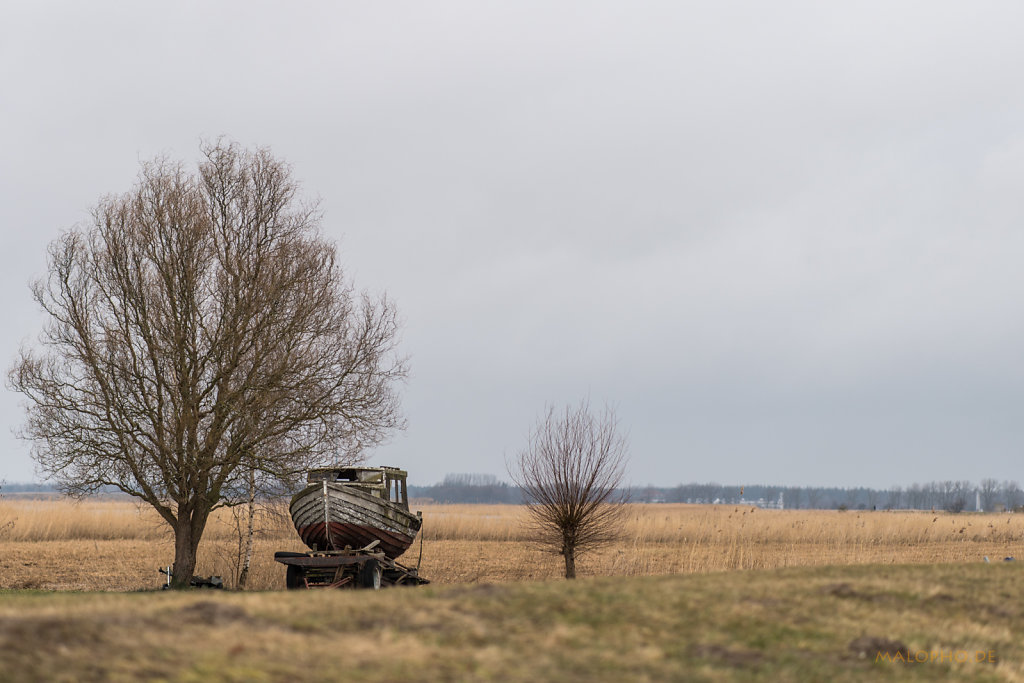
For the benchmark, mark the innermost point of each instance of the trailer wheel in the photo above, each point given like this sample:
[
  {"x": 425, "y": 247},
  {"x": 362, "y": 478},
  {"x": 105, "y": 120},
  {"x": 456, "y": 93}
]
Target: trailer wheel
[
  {"x": 295, "y": 578},
  {"x": 369, "y": 574}
]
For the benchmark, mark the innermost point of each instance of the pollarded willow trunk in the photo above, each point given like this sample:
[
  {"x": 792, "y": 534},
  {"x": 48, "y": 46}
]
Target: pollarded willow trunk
[{"x": 570, "y": 562}]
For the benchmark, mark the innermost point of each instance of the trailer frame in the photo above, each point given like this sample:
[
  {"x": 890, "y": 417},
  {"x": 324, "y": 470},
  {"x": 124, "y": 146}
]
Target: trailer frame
[{"x": 347, "y": 568}]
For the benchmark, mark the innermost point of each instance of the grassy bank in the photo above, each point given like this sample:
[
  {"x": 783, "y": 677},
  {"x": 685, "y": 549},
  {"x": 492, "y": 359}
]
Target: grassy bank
[{"x": 807, "y": 623}]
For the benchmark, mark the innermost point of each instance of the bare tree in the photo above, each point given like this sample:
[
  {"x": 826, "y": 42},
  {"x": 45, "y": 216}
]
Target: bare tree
[
  {"x": 1011, "y": 494},
  {"x": 989, "y": 488},
  {"x": 245, "y": 557},
  {"x": 916, "y": 497},
  {"x": 895, "y": 498},
  {"x": 200, "y": 329},
  {"x": 569, "y": 474},
  {"x": 264, "y": 514}
]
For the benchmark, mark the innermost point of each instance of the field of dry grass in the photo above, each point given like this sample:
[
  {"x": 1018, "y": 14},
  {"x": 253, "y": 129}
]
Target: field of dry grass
[{"x": 117, "y": 545}]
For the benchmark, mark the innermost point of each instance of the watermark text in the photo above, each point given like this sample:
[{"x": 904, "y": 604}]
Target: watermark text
[{"x": 939, "y": 657}]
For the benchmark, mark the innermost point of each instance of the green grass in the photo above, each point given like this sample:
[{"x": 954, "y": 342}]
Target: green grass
[{"x": 793, "y": 624}]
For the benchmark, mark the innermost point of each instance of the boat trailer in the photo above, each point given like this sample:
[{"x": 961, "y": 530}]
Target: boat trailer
[{"x": 348, "y": 568}]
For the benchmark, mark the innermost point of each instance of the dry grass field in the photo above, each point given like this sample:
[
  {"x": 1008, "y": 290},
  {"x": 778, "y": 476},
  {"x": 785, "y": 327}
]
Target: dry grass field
[
  {"x": 115, "y": 545},
  {"x": 906, "y": 584}
]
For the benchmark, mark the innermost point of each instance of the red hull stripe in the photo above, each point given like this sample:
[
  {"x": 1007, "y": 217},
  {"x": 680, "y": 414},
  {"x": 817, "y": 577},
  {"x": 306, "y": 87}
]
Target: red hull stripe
[{"x": 355, "y": 535}]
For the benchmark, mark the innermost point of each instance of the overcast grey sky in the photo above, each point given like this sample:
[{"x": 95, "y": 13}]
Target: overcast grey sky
[{"x": 784, "y": 238}]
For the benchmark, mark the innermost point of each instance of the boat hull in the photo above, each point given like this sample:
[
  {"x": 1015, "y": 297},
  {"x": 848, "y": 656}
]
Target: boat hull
[{"x": 331, "y": 517}]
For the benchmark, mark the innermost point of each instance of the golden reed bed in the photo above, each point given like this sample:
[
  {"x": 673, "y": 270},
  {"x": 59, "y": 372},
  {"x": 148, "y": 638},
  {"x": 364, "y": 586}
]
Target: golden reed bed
[{"x": 117, "y": 545}]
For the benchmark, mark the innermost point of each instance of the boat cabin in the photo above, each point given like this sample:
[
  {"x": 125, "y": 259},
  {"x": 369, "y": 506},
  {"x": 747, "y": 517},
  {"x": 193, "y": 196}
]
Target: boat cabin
[{"x": 387, "y": 483}]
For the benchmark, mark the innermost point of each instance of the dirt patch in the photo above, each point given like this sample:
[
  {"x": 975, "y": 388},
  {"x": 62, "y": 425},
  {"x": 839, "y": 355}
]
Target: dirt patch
[
  {"x": 845, "y": 590},
  {"x": 840, "y": 590},
  {"x": 870, "y": 647},
  {"x": 213, "y": 613},
  {"x": 481, "y": 590},
  {"x": 730, "y": 656},
  {"x": 763, "y": 603},
  {"x": 1000, "y": 611}
]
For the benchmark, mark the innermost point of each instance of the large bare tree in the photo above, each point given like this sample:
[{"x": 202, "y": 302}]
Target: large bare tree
[
  {"x": 569, "y": 473},
  {"x": 200, "y": 329}
]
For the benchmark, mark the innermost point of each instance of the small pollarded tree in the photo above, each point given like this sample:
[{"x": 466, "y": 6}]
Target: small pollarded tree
[
  {"x": 202, "y": 336},
  {"x": 569, "y": 474}
]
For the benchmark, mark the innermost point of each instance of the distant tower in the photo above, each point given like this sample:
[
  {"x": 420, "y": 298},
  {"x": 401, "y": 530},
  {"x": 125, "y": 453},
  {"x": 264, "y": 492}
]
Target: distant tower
[
  {"x": 782, "y": 505},
  {"x": 977, "y": 501}
]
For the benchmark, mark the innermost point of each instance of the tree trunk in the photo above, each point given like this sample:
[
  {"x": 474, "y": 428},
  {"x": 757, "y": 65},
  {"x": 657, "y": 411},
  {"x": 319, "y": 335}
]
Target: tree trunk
[
  {"x": 243, "y": 576},
  {"x": 570, "y": 562},
  {"x": 184, "y": 554},
  {"x": 188, "y": 530}
]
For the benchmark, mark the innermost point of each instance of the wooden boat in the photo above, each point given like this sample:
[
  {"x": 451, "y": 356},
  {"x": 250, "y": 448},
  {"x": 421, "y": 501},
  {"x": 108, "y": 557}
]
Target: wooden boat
[{"x": 351, "y": 507}]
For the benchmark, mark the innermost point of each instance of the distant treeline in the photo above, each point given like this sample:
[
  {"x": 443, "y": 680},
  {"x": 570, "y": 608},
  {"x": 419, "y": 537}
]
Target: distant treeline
[
  {"x": 7, "y": 487},
  {"x": 469, "y": 488},
  {"x": 26, "y": 488},
  {"x": 953, "y": 496}
]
